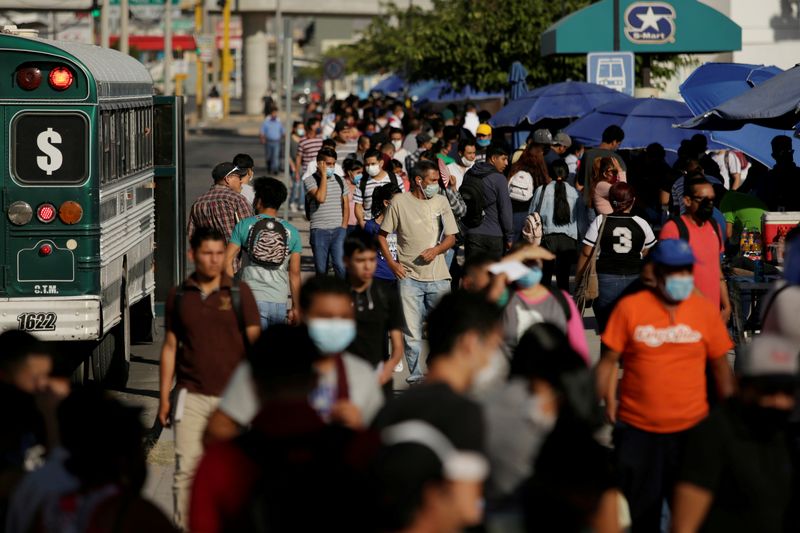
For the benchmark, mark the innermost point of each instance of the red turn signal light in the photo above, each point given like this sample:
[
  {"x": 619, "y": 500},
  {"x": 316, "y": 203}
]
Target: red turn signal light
[
  {"x": 60, "y": 78},
  {"x": 45, "y": 249},
  {"x": 46, "y": 213},
  {"x": 29, "y": 78}
]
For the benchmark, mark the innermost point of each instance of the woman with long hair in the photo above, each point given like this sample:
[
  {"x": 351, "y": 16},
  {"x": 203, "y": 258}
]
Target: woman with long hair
[
  {"x": 624, "y": 242},
  {"x": 525, "y": 176},
  {"x": 606, "y": 172},
  {"x": 560, "y": 211}
]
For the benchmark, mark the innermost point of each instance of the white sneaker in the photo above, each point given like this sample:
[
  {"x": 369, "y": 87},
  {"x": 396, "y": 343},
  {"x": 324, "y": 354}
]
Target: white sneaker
[{"x": 399, "y": 367}]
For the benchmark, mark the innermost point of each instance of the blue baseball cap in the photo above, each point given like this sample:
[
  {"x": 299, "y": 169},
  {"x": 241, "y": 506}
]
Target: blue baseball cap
[{"x": 673, "y": 252}]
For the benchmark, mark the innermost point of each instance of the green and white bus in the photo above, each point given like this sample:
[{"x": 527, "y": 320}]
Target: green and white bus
[{"x": 81, "y": 132}]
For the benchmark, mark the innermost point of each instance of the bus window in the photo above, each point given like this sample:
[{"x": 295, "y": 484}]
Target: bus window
[{"x": 163, "y": 142}]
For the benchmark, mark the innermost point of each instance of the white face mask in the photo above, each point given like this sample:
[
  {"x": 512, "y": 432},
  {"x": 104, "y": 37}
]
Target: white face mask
[
  {"x": 397, "y": 143},
  {"x": 467, "y": 163},
  {"x": 541, "y": 419},
  {"x": 373, "y": 170}
]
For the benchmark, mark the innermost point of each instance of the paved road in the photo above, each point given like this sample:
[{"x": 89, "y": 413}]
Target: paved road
[{"x": 202, "y": 154}]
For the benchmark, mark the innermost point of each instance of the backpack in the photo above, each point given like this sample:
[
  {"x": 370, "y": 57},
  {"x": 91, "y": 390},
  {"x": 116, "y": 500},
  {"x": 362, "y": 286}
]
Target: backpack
[
  {"x": 520, "y": 188},
  {"x": 311, "y": 203},
  {"x": 683, "y": 231},
  {"x": 268, "y": 243},
  {"x": 236, "y": 303},
  {"x": 472, "y": 193},
  {"x": 533, "y": 229}
]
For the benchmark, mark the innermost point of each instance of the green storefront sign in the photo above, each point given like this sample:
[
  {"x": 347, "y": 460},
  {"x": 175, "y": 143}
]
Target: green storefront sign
[{"x": 669, "y": 26}]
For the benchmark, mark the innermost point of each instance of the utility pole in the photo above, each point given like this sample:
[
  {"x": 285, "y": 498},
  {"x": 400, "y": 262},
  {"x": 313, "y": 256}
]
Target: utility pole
[
  {"x": 123, "y": 27},
  {"x": 278, "y": 56},
  {"x": 199, "y": 66},
  {"x": 168, "y": 47},
  {"x": 105, "y": 34},
  {"x": 227, "y": 60},
  {"x": 288, "y": 50}
]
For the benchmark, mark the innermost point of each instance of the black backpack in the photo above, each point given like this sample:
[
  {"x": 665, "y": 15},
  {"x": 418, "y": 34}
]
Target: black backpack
[
  {"x": 311, "y": 202},
  {"x": 472, "y": 193},
  {"x": 268, "y": 243}
]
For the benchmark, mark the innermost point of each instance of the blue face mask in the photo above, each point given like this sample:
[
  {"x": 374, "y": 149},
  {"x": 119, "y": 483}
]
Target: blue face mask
[
  {"x": 357, "y": 178},
  {"x": 532, "y": 278},
  {"x": 679, "y": 288},
  {"x": 483, "y": 143},
  {"x": 504, "y": 298},
  {"x": 331, "y": 336},
  {"x": 329, "y": 172}
]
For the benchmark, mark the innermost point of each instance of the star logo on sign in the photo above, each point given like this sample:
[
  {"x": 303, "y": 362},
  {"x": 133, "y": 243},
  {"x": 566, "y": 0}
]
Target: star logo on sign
[{"x": 649, "y": 19}]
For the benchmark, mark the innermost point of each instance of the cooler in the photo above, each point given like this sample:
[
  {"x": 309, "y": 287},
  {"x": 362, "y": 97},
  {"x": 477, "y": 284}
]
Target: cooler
[{"x": 774, "y": 227}]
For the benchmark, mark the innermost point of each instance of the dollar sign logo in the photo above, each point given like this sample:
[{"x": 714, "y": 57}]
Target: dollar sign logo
[{"x": 53, "y": 159}]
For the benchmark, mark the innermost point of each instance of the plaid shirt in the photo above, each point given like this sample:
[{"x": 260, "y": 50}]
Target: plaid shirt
[
  {"x": 220, "y": 208},
  {"x": 456, "y": 202}
]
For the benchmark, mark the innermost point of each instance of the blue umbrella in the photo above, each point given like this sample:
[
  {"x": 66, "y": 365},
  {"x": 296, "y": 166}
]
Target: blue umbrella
[
  {"x": 713, "y": 83},
  {"x": 774, "y": 103},
  {"x": 517, "y": 79},
  {"x": 644, "y": 121},
  {"x": 443, "y": 92},
  {"x": 568, "y": 99},
  {"x": 389, "y": 85}
]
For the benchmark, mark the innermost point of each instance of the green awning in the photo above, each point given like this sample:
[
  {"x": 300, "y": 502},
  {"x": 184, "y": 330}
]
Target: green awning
[{"x": 668, "y": 26}]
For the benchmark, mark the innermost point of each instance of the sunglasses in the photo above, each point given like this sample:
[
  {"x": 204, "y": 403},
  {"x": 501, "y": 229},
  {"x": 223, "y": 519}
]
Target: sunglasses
[{"x": 234, "y": 169}]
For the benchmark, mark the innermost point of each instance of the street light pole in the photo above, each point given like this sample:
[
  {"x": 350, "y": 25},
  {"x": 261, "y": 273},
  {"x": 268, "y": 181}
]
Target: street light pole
[
  {"x": 287, "y": 136},
  {"x": 123, "y": 27},
  {"x": 278, "y": 56},
  {"x": 227, "y": 61},
  {"x": 104, "y": 27},
  {"x": 168, "y": 47}
]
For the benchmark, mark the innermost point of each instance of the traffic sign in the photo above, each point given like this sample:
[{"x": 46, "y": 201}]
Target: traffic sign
[
  {"x": 614, "y": 70},
  {"x": 333, "y": 68},
  {"x": 205, "y": 44}
]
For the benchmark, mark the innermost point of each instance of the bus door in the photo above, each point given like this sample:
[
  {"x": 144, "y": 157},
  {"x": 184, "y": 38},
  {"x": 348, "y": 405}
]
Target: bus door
[{"x": 170, "y": 197}]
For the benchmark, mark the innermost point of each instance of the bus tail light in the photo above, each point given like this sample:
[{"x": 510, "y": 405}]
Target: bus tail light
[
  {"x": 46, "y": 213},
  {"x": 20, "y": 213},
  {"x": 70, "y": 212},
  {"x": 60, "y": 78},
  {"x": 45, "y": 249},
  {"x": 29, "y": 78}
]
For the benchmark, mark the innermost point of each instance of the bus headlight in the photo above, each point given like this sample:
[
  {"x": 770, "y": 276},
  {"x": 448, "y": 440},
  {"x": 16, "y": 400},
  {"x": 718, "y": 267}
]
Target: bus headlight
[
  {"x": 70, "y": 212},
  {"x": 20, "y": 213}
]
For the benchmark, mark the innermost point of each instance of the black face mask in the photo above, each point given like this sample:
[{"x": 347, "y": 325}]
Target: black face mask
[{"x": 706, "y": 210}]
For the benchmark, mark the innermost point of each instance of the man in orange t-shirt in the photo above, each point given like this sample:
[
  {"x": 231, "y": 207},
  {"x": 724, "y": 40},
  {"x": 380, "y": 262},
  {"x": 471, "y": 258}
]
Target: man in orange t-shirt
[
  {"x": 665, "y": 336},
  {"x": 707, "y": 243}
]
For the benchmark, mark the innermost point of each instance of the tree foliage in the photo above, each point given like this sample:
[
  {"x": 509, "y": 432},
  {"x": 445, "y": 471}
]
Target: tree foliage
[{"x": 468, "y": 42}]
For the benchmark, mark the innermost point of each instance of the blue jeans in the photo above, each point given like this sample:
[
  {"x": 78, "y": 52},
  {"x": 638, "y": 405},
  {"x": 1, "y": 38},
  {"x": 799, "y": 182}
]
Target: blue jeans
[
  {"x": 611, "y": 288},
  {"x": 273, "y": 156},
  {"x": 271, "y": 313},
  {"x": 297, "y": 195},
  {"x": 328, "y": 244},
  {"x": 519, "y": 223},
  {"x": 417, "y": 299}
]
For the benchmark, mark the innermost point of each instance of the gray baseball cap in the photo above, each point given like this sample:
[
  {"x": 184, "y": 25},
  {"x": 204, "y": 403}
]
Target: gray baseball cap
[
  {"x": 562, "y": 139},
  {"x": 771, "y": 355},
  {"x": 542, "y": 137}
]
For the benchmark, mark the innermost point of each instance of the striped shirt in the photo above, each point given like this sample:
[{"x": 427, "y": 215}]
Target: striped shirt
[
  {"x": 345, "y": 149},
  {"x": 366, "y": 199},
  {"x": 328, "y": 214},
  {"x": 307, "y": 149}
]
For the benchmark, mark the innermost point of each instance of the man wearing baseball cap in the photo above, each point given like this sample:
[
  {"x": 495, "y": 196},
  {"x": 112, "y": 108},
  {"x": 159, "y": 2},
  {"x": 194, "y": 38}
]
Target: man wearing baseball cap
[
  {"x": 483, "y": 139},
  {"x": 558, "y": 147},
  {"x": 665, "y": 335},
  {"x": 737, "y": 469}
]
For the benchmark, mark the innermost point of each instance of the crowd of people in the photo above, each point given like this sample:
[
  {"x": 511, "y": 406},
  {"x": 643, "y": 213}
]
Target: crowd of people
[{"x": 444, "y": 254}]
